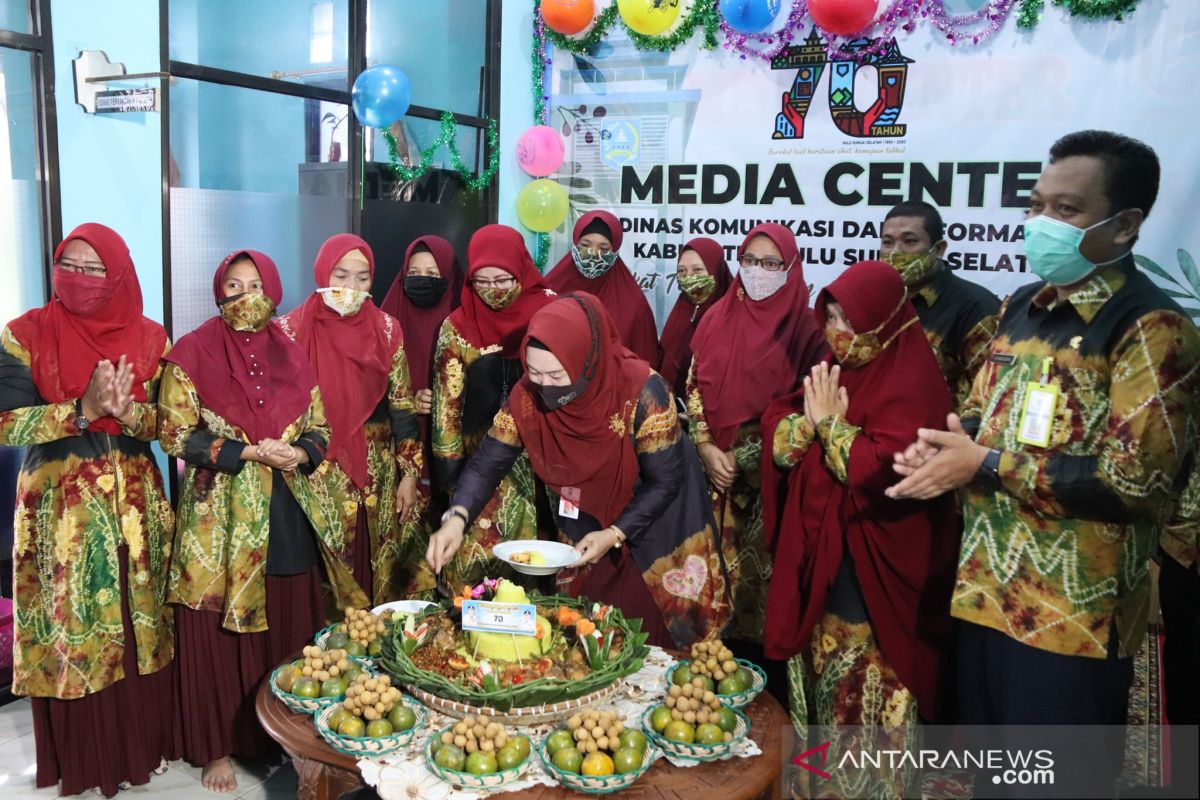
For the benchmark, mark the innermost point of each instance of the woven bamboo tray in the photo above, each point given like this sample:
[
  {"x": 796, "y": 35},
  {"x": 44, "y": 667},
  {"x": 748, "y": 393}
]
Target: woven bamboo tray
[{"x": 529, "y": 715}]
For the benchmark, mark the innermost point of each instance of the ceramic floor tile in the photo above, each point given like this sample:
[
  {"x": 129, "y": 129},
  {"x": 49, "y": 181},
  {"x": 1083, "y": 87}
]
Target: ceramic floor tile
[
  {"x": 282, "y": 785},
  {"x": 16, "y": 719},
  {"x": 249, "y": 773}
]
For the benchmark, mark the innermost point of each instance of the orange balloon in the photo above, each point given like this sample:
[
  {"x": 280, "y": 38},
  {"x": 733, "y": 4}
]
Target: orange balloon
[{"x": 568, "y": 16}]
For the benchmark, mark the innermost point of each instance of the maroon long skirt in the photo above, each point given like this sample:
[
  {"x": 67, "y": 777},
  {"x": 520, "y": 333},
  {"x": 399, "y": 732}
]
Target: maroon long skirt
[
  {"x": 117, "y": 735},
  {"x": 616, "y": 580},
  {"x": 220, "y": 671}
]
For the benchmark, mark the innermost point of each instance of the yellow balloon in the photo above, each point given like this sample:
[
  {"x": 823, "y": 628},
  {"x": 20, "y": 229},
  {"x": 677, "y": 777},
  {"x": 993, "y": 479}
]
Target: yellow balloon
[
  {"x": 649, "y": 17},
  {"x": 542, "y": 205}
]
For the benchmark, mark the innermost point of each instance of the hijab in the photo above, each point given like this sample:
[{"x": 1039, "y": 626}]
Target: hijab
[
  {"x": 685, "y": 317},
  {"x": 88, "y": 320},
  {"x": 616, "y": 289},
  {"x": 503, "y": 247},
  {"x": 351, "y": 356},
  {"x": 904, "y": 552},
  {"x": 260, "y": 381},
  {"x": 576, "y": 445},
  {"x": 748, "y": 352}
]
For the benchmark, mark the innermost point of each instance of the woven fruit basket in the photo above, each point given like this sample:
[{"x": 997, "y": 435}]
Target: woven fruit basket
[
  {"x": 367, "y": 745},
  {"x": 696, "y": 751},
  {"x": 740, "y": 699},
  {"x": 594, "y": 784},
  {"x": 469, "y": 780},
  {"x": 297, "y": 703}
]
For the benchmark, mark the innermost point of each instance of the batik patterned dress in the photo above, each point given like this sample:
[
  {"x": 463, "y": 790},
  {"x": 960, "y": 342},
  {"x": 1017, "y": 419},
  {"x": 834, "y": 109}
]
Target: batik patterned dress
[
  {"x": 393, "y": 452},
  {"x": 80, "y": 497},
  {"x": 223, "y": 517},
  {"x": 738, "y": 512},
  {"x": 463, "y": 408}
]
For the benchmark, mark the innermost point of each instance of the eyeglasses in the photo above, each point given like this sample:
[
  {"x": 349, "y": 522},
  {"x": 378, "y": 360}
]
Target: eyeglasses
[
  {"x": 498, "y": 283},
  {"x": 95, "y": 269},
  {"x": 769, "y": 264}
]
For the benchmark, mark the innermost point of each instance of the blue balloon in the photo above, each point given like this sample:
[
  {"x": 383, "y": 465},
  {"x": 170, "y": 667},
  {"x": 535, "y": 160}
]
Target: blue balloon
[
  {"x": 750, "y": 16},
  {"x": 381, "y": 95}
]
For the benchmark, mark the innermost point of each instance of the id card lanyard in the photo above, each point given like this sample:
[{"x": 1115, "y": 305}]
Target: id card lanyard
[{"x": 1037, "y": 413}]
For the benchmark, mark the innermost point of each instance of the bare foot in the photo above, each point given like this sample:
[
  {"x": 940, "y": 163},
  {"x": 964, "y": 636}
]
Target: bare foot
[{"x": 218, "y": 776}]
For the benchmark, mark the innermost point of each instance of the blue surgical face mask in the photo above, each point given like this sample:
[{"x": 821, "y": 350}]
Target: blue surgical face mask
[{"x": 1052, "y": 247}]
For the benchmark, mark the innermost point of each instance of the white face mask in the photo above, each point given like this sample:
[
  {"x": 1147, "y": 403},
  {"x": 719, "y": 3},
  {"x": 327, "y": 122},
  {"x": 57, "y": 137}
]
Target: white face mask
[
  {"x": 344, "y": 301},
  {"x": 760, "y": 283}
]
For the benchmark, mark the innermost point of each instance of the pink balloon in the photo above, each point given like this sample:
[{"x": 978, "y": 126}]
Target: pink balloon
[
  {"x": 842, "y": 17},
  {"x": 540, "y": 151}
]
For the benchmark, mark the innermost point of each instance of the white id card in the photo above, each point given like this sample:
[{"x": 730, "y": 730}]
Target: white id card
[
  {"x": 1037, "y": 415},
  {"x": 568, "y": 502}
]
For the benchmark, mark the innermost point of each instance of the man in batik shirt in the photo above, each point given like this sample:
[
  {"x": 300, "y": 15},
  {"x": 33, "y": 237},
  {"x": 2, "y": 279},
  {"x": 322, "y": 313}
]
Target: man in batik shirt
[{"x": 1074, "y": 445}]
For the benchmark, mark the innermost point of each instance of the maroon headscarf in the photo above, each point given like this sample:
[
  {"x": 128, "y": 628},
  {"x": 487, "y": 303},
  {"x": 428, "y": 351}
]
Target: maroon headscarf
[
  {"x": 421, "y": 325},
  {"x": 617, "y": 290},
  {"x": 904, "y": 551},
  {"x": 89, "y": 320},
  {"x": 260, "y": 381},
  {"x": 352, "y": 357},
  {"x": 685, "y": 316},
  {"x": 503, "y": 247},
  {"x": 749, "y": 352},
  {"x": 575, "y": 445}
]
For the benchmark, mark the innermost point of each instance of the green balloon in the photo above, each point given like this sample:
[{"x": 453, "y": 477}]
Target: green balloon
[{"x": 542, "y": 205}]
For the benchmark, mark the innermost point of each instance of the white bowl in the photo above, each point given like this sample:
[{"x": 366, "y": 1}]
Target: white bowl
[
  {"x": 558, "y": 556},
  {"x": 402, "y": 607}
]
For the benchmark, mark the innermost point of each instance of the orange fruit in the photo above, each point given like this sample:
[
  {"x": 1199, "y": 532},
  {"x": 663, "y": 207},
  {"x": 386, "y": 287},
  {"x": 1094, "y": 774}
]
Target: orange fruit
[{"x": 597, "y": 764}]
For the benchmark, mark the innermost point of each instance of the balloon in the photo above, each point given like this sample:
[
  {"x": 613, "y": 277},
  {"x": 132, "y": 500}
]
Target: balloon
[
  {"x": 542, "y": 205},
  {"x": 649, "y": 17},
  {"x": 540, "y": 151},
  {"x": 842, "y": 17},
  {"x": 381, "y": 95},
  {"x": 749, "y": 16},
  {"x": 568, "y": 16}
]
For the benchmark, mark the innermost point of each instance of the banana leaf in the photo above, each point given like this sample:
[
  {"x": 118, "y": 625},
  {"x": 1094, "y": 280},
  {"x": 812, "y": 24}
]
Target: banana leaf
[{"x": 538, "y": 692}]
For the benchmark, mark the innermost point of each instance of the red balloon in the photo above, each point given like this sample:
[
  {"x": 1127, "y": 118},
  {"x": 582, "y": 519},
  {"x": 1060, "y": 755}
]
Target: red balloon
[
  {"x": 843, "y": 17},
  {"x": 568, "y": 16}
]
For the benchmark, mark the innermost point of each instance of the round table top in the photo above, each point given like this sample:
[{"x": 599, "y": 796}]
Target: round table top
[{"x": 737, "y": 779}]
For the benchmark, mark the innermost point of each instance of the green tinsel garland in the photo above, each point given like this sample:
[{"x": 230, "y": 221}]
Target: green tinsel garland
[
  {"x": 703, "y": 13},
  {"x": 449, "y": 139},
  {"x": 1030, "y": 11}
]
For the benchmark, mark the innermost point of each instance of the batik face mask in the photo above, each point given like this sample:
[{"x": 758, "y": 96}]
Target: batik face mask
[
  {"x": 858, "y": 349},
  {"x": 346, "y": 302},
  {"x": 593, "y": 263},
  {"x": 496, "y": 299},
  {"x": 247, "y": 312},
  {"x": 914, "y": 268},
  {"x": 698, "y": 288}
]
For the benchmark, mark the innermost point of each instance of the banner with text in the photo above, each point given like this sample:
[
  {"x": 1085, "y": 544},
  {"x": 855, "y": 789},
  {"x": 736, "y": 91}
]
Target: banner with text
[{"x": 703, "y": 143}]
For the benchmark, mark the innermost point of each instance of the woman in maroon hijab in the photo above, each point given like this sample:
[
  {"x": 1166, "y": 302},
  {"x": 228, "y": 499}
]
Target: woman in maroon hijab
[
  {"x": 703, "y": 278},
  {"x": 94, "y": 639},
  {"x": 476, "y": 365},
  {"x": 753, "y": 346},
  {"x": 374, "y": 453},
  {"x": 594, "y": 266},
  {"x": 427, "y": 290},
  {"x": 240, "y": 406},
  {"x": 601, "y": 429},
  {"x": 859, "y": 597}
]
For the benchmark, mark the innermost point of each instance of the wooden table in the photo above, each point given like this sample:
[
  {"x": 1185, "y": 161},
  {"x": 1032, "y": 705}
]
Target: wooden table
[{"x": 326, "y": 774}]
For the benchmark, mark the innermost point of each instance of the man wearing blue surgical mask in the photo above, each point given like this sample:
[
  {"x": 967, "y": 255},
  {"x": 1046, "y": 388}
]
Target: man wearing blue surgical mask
[{"x": 1073, "y": 447}]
